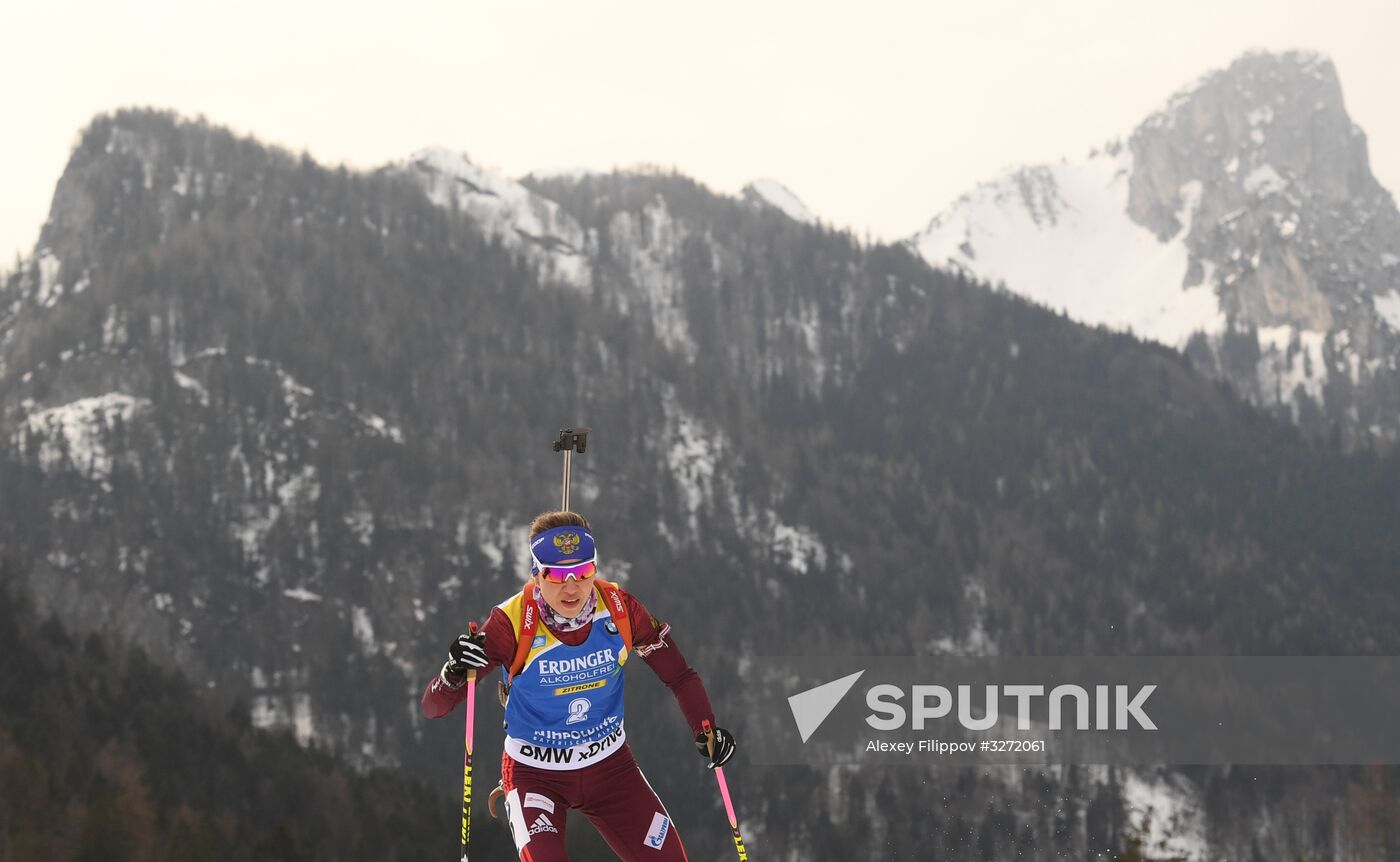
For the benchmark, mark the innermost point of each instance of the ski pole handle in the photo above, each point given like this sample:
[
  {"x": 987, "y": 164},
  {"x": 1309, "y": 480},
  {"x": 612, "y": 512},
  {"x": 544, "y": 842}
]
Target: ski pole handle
[{"x": 724, "y": 793}]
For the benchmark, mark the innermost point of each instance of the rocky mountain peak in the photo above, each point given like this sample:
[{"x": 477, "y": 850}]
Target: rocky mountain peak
[
  {"x": 1266, "y": 122},
  {"x": 1244, "y": 207}
]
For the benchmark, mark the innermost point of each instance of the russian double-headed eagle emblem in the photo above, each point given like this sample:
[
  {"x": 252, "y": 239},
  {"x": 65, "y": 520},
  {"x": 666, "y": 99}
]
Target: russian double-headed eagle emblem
[{"x": 567, "y": 543}]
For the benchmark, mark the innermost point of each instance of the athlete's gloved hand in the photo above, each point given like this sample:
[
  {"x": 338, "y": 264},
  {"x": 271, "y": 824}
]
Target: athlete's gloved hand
[
  {"x": 467, "y": 653},
  {"x": 724, "y": 747}
]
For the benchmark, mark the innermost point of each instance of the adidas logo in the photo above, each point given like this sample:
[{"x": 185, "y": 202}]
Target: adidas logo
[{"x": 542, "y": 824}]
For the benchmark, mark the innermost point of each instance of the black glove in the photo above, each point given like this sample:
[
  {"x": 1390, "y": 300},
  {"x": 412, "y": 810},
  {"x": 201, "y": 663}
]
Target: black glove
[
  {"x": 724, "y": 747},
  {"x": 467, "y": 653}
]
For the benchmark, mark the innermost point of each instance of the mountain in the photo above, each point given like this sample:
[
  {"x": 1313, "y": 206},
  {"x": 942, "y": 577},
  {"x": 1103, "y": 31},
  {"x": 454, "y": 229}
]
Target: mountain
[
  {"x": 1240, "y": 222},
  {"x": 281, "y": 426}
]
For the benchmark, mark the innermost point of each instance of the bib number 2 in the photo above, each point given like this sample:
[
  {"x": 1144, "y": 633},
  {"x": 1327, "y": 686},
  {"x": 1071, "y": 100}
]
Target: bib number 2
[{"x": 578, "y": 710}]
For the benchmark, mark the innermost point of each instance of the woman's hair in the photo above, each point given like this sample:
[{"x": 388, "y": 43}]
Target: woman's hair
[{"x": 550, "y": 520}]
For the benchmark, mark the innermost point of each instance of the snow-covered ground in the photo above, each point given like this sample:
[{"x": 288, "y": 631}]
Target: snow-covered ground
[
  {"x": 79, "y": 428},
  {"x": 1388, "y": 307},
  {"x": 1292, "y": 358},
  {"x": 521, "y": 219},
  {"x": 650, "y": 247},
  {"x": 1164, "y": 812},
  {"x": 699, "y": 459},
  {"x": 286, "y": 710}
]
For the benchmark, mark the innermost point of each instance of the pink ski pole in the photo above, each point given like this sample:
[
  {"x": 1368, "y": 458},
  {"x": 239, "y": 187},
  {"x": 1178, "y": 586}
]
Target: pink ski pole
[
  {"x": 724, "y": 794},
  {"x": 467, "y": 760}
]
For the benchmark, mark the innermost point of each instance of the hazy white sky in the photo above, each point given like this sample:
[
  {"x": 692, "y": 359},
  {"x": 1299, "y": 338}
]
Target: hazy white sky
[{"x": 876, "y": 114}]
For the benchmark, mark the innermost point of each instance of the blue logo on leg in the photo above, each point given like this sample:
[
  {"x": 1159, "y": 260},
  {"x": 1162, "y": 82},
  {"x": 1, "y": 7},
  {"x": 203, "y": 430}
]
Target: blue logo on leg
[{"x": 656, "y": 836}]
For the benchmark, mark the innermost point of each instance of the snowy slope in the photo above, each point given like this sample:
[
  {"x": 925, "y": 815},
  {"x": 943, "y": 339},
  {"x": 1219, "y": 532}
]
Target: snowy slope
[
  {"x": 79, "y": 431},
  {"x": 1165, "y": 813},
  {"x": 505, "y": 209},
  {"x": 1061, "y": 235},
  {"x": 768, "y": 192}
]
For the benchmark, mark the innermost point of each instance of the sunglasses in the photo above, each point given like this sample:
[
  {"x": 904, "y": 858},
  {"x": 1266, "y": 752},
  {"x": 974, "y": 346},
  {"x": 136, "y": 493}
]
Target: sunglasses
[{"x": 578, "y": 571}]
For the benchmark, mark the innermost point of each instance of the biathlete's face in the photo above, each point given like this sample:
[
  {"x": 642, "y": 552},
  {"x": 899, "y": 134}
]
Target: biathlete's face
[{"x": 567, "y": 598}]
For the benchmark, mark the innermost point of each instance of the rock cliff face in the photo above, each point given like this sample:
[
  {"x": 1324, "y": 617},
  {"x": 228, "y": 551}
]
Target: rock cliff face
[{"x": 1282, "y": 250}]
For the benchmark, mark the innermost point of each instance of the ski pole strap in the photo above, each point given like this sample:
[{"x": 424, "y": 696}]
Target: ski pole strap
[{"x": 493, "y": 797}]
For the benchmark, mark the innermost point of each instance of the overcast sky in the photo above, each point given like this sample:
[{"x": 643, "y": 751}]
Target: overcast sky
[{"x": 876, "y": 114}]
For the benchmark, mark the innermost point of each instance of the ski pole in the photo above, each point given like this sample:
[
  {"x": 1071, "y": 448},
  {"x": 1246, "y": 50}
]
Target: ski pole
[
  {"x": 467, "y": 760},
  {"x": 724, "y": 793},
  {"x": 569, "y": 439}
]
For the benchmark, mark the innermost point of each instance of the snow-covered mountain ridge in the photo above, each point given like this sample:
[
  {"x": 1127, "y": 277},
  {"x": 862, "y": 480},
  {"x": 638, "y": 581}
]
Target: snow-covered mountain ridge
[
  {"x": 1060, "y": 234},
  {"x": 771, "y": 193},
  {"x": 505, "y": 209},
  {"x": 643, "y": 260},
  {"x": 1244, "y": 210},
  {"x": 533, "y": 224}
]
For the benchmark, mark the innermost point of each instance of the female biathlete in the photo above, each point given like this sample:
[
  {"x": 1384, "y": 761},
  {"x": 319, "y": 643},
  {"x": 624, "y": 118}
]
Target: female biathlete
[{"x": 565, "y": 742}]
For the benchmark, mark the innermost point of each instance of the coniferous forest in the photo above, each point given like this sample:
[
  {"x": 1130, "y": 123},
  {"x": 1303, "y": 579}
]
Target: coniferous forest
[{"x": 106, "y": 755}]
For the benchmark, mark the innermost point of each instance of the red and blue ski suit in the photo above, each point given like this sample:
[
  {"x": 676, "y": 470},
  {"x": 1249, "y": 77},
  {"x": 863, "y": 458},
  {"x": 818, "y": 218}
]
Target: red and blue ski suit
[{"x": 565, "y": 738}]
